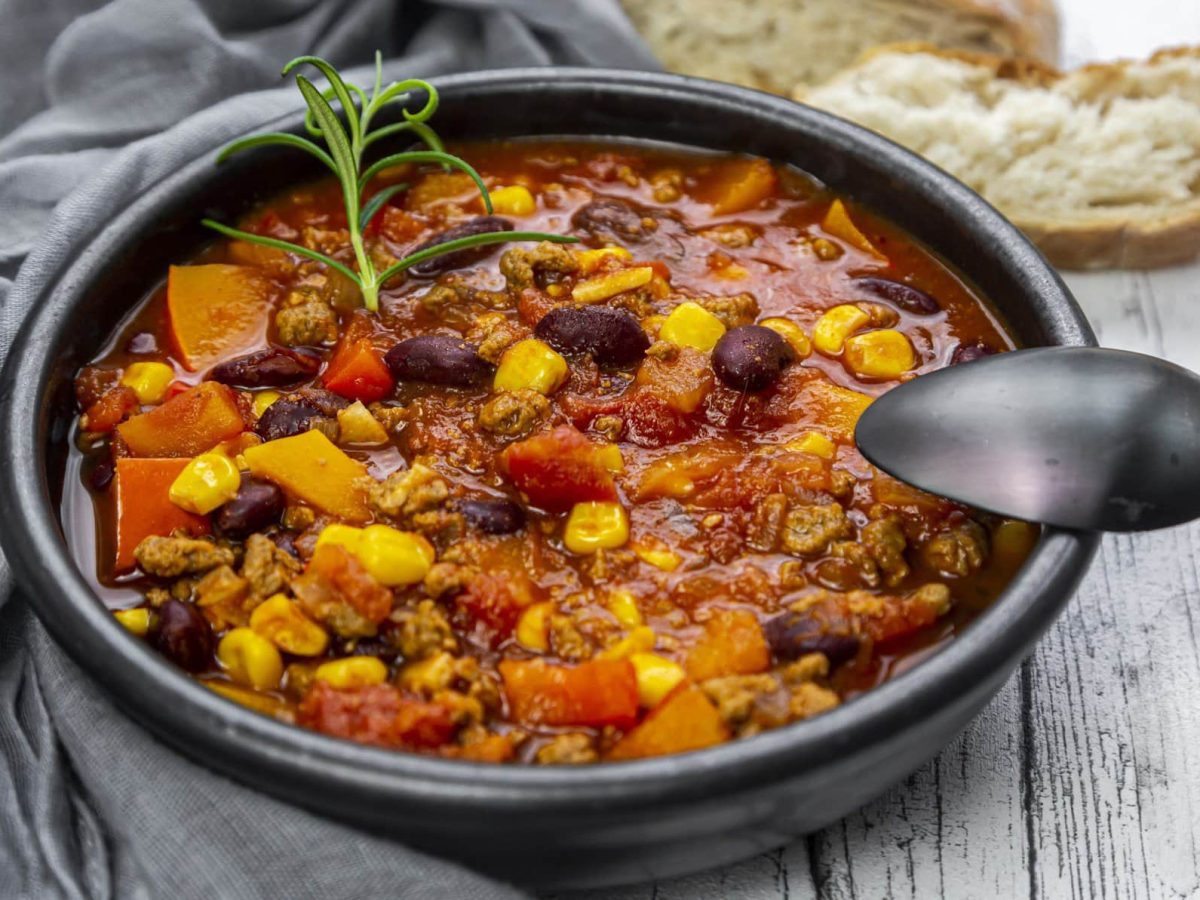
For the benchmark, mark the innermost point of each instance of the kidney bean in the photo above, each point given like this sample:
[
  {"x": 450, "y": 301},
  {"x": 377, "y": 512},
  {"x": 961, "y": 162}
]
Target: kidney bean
[
  {"x": 379, "y": 647},
  {"x": 286, "y": 417},
  {"x": 905, "y": 296},
  {"x": 751, "y": 358},
  {"x": 965, "y": 353},
  {"x": 257, "y": 505},
  {"x": 610, "y": 218},
  {"x": 103, "y": 473},
  {"x": 437, "y": 359},
  {"x": 612, "y": 336},
  {"x": 272, "y": 367},
  {"x": 793, "y": 635},
  {"x": 458, "y": 258},
  {"x": 493, "y": 516},
  {"x": 183, "y": 636}
]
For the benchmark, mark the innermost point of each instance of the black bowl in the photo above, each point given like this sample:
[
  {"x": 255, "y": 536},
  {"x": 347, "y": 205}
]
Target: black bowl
[{"x": 592, "y": 825}]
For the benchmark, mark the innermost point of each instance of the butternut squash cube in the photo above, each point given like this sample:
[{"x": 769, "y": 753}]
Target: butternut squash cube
[{"x": 310, "y": 467}]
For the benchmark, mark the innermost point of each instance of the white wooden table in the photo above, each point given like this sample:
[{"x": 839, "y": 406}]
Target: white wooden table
[{"x": 1082, "y": 779}]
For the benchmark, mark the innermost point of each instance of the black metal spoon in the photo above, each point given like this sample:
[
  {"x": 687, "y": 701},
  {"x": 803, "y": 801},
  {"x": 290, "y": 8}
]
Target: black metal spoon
[{"x": 1093, "y": 439}]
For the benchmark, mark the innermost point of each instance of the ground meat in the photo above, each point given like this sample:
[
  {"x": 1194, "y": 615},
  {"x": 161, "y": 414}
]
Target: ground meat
[
  {"x": 957, "y": 553},
  {"x": 810, "y": 529},
  {"x": 609, "y": 427},
  {"x": 169, "y": 557},
  {"x": 220, "y": 595},
  {"x": 93, "y": 382},
  {"x": 464, "y": 710},
  {"x": 664, "y": 351},
  {"x": 530, "y": 267},
  {"x": 424, "y": 631},
  {"x": 440, "y": 524},
  {"x": 514, "y": 414},
  {"x": 767, "y": 522},
  {"x": 668, "y": 185},
  {"x": 492, "y": 334},
  {"x": 309, "y": 323},
  {"x": 735, "y": 311},
  {"x": 448, "y": 578},
  {"x": 569, "y": 750},
  {"x": 791, "y": 575},
  {"x": 734, "y": 235},
  {"x": 392, "y": 418},
  {"x": 809, "y": 667},
  {"x": 566, "y": 640},
  {"x": 408, "y": 492},
  {"x": 841, "y": 484},
  {"x": 858, "y": 560},
  {"x": 266, "y": 568},
  {"x": 736, "y": 696},
  {"x": 326, "y": 240},
  {"x": 810, "y": 699},
  {"x": 884, "y": 540},
  {"x": 935, "y": 596}
]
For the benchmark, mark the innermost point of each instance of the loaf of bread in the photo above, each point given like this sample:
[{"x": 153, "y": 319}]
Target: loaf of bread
[
  {"x": 1100, "y": 166},
  {"x": 776, "y": 44}
]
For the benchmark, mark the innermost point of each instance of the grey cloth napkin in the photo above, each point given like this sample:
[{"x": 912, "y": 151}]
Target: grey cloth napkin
[{"x": 97, "y": 102}]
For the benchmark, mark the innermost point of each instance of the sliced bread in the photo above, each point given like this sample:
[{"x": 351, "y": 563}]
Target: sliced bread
[
  {"x": 1100, "y": 166},
  {"x": 776, "y": 44}
]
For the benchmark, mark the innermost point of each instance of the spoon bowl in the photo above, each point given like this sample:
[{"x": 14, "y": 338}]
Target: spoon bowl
[{"x": 1079, "y": 437}]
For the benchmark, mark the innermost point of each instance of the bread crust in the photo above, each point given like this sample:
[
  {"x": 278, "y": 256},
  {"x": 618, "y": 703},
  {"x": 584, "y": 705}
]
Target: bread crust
[
  {"x": 1145, "y": 243},
  {"x": 1033, "y": 26}
]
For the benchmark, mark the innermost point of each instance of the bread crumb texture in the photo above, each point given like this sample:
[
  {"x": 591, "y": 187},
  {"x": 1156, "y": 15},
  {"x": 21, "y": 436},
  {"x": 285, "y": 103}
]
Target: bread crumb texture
[
  {"x": 1100, "y": 166},
  {"x": 775, "y": 44}
]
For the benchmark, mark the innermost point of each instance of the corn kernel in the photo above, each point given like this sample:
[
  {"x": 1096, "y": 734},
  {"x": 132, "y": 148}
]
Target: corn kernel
[
  {"x": 531, "y": 627},
  {"x": 263, "y": 400},
  {"x": 346, "y": 536},
  {"x": 512, "y": 201},
  {"x": 623, "y": 605},
  {"x": 136, "y": 621},
  {"x": 879, "y": 354},
  {"x": 609, "y": 456},
  {"x": 394, "y": 557},
  {"x": 660, "y": 557},
  {"x": 428, "y": 676},
  {"x": 691, "y": 325},
  {"x": 1012, "y": 540},
  {"x": 356, "y": 425},
  {"x": 656, "y": 677},
  {"x": 790, "y": 332},
  {"x": 532, "y": 365},
  {"x": 149, "y": 380},
  {"x": 590, "y": 260},
  {"x": 260, "y": 703},
  {"x": 639, "y": 640},
  {"x": 352, "y": 672},
  {"x": 611, "y": 283},
  {"x": 813, "y": 442},
  {"x": 205, "y": 483},
  {"x": 250, "y": 659},
  {"x": 596, "y": 525},
  {"x": 837, "y": 324},
  {"x": 285, "y": 625},
  {"x": 837, "y": 222}
]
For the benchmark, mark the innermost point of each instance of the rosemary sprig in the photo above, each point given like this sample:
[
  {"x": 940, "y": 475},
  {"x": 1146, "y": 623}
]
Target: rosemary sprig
[{"x": 343, "y": 157}]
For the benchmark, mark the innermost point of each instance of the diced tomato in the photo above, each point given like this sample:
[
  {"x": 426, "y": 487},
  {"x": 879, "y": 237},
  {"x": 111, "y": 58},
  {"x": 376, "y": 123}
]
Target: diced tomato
[
  {"x": 558, "y": 469},
  {"x": 583, "y": 410},
  {"x": 651, "y": 421},
  {"x": 495, "y": 600},
  {"x": 733, "y": 643},
  {"x": 333, "y": 576},
  {"x": 397, "y": 225},
  {"x": 495, "y": 748},
  {"x": 378, "y": 714},
  {"x": 682, "y": 383},
  {"x": 143, "y": 507},
  {"x": 533, "y": 305},
  {"x": 357, "y": 372},
  {"x": 596, "y": 693},
  {"x": 194, "y": 421},
  {"x": 685, "y": 720},
  {"x": 110, "y": 410}
]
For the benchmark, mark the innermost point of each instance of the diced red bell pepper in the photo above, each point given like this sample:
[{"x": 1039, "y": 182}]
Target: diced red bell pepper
[
  {"x": 357, "y": 372},
  {"x": 596, "y": 693},
  {"x": 378, "y": 714},
  {"x": 494, "y": 601},
  {"x": 558, "y": 469}
]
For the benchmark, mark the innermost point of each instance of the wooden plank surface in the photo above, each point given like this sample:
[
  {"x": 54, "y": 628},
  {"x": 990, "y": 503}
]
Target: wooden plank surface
[{"x": 1082, "y": 779}]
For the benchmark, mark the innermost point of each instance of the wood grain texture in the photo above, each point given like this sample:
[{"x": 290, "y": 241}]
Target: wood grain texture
[{"x": 1081, "y": 779}]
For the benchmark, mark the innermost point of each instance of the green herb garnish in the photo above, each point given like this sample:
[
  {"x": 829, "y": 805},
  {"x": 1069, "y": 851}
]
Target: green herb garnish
[{"x": 344, "y": 158}]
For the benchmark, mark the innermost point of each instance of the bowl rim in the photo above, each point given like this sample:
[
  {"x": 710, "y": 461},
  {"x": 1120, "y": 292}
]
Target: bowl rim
[{"x": 194, "y": 718}]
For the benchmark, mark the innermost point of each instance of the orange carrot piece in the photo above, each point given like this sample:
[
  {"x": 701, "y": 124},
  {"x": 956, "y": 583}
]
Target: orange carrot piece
[
  {"x": 216, "y": 310},
  {"x": 596, "y": 693},
  {"x": 190, "y": 423},
  {"x": 143, "y": 507},
  {"x": 684, "y": 721},
  {"x": 732, "y": 644}
]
